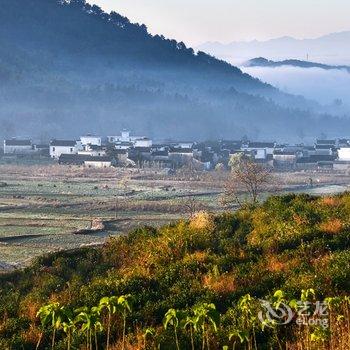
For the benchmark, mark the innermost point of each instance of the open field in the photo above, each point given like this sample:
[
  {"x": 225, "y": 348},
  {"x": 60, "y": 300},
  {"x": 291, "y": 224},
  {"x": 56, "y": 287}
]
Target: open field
[{"x": 42, "y": 206}]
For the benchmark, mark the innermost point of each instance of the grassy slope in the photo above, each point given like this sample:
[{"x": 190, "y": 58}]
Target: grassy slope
[{"x": 289, "y": 243}]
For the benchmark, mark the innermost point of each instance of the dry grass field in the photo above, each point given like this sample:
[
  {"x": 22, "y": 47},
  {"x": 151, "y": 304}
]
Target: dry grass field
[{"x": 41, "y": 207}]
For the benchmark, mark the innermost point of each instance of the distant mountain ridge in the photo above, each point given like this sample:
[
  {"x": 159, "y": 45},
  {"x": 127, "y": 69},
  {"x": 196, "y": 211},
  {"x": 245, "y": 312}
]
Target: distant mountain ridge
[
  {"x": 332, "y": 48},
  {"x": 263, "y": 62},
  {"x": 67, "y": 67}
]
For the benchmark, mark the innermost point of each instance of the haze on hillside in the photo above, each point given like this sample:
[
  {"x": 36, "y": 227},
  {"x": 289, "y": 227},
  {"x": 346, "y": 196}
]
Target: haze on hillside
[{"x": 69, "y": 68}]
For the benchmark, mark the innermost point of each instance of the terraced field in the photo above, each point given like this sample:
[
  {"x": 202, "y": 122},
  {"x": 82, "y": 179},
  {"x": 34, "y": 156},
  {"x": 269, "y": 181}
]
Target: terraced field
[{"x": 42, "y": 207}]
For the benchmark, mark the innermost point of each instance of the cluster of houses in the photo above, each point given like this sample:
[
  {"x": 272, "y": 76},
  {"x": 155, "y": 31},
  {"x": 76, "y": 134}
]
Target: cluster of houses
[
  {"x": 322, "y": 155},
  {"x": 128, "y": 150}
]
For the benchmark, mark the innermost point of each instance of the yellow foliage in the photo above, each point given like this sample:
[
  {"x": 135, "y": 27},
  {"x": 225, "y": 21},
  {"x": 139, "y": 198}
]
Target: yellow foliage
[
  {"x": 29, "y": 308},
  {"x": 299, "y": 220},
  {"x": 332, "y": 226},
  {"x": 31, "y": 335},
  {"x": 322, "y": 262},
  {"x": 202, "y": 221},
  {"x": 274, "y": 264},
  {"x": 222, "y": 284},
  {"x": 330, "y": 201},
  {"x": 197, "y": 256}
]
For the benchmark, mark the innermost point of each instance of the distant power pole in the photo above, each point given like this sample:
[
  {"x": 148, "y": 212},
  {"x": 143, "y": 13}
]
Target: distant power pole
[{"x": 307, "y": 57}]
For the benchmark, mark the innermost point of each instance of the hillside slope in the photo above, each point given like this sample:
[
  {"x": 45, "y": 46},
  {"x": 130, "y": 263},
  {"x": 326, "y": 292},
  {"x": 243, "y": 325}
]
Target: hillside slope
[
  {"x": 70, "y": 68},
  {"x": 293, "y": 243}
]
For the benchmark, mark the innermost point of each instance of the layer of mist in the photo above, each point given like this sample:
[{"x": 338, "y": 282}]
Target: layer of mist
[{"x": 329, "y": 87}]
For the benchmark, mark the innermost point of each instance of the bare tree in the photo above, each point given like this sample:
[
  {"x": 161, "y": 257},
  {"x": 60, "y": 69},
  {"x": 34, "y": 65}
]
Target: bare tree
[
  {"x": 191, "y": 205},
  {"x": 247, "y": 177}
]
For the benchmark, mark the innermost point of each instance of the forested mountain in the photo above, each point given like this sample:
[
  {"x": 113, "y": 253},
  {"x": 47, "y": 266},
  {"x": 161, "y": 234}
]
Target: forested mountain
[
  {"x": 68, "y": 67},
  {"x": 263, "y": 62}
]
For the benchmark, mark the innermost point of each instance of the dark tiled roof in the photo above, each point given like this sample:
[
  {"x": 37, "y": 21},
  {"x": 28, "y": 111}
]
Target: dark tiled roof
[
  {"x": 284, "y": 153},
  {"x": 180, "y": 150},
  {"x": 63, "y": 143},
  {"x": 14, "y": 142},
  {"x": 261, "y": 145},
  {"x": 160, "y": 153},
  {"x": 316, "y": 158},
  {"x": 119, "y": 151},
  {"x": 124, "y": 143},
  {"x": 325, "y": 142},
  {"x": 95, "y": 147},
  {"x": 142, "y": 149},
  {"x": 77, "y": 159},
  {"x": 99, "y": 159},
  {"x": 324, "y": 147},
  {"x": 231, "y": 145},
  {"x": 159, "y": 145}
]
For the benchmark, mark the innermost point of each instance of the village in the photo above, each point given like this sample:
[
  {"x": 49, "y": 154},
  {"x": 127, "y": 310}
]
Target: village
[{"x": 127, "y": 150}]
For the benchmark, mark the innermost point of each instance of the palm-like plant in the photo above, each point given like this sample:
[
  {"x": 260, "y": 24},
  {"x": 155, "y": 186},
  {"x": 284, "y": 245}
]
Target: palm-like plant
[
  {"x": 242, "y": 336},
  {"x": 172, "y": 318},
  {"x": 51, "y": 315},
  {"x": 96, "y": 323},
  {"x": 205, "y": 317},
  {"x": 245, "y": 307},
  {"x": 90, "y": 324},
  {"x": 189, "y": 322},
  {"x": 83, "y": 319},
  {"x": 124, "y": 306},
  {"x": 149, "y": 332},
  {"x": 109, "y": 304},
  {"x": 69, "y": 326}
]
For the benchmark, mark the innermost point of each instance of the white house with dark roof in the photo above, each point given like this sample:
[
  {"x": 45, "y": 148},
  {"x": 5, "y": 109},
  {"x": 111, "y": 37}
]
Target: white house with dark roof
[
  {"x": 91, "y": 140},
  {"x": 125, "y": 137},
  {"x": 58, "y": 147},
  {"x": 15, "y": 146},
  {"x": 261, "y": 150},
  {"x": 93, "y": 150},
  {"x": 344, "y": 154},
  {"x": 144, "y": 142}
]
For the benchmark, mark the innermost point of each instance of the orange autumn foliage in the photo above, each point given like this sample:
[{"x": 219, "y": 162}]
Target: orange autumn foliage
[
  {"x": 223, "y": 284},
  {"x": 275, "y": 265},
  {"x": 330, "y": 201},
  {"x": 332, "y": 226}
]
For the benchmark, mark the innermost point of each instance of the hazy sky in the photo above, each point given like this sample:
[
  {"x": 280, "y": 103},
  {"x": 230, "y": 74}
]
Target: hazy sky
[{"x": 197, "y": 21}]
